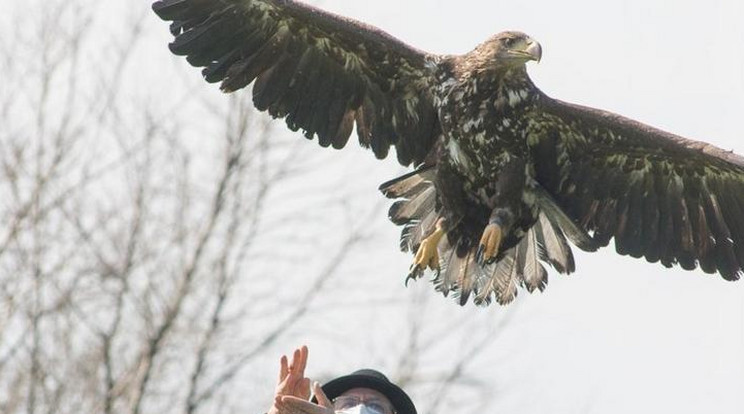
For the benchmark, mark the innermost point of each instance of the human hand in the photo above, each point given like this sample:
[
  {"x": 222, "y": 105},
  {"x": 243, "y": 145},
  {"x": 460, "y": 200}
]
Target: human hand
[
  {"x": 292, "y": 381},
  {"x": 294, "y": 405}
]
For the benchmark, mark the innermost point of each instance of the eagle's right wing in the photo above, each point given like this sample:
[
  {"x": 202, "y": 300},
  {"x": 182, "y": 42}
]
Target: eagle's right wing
[{"x": 323, "y": 72}]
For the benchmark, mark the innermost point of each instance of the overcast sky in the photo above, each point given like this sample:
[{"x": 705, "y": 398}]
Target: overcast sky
[{"x": 620, "y": 335}]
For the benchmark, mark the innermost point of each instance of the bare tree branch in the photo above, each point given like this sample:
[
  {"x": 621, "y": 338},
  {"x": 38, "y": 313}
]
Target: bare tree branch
[{"x": 141, "y": 224}]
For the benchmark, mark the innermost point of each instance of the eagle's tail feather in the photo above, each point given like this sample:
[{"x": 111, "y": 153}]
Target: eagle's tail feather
[
  {"x": 406, "y": 185},
  {"x": 459, "y": 273},
  {"x": 563, "y": 223},
  {"x": 451, "y": 266},
  {"x": 465, "y": 280},
  {"x": 414, "y": 233},
  {"x": 552, "y": 246},
  {"x": 416, "y": 210},
  {"x": 533, "y": 276},
  {"x": 521, "y": 265},
  {"x": 499, "y": 280}
]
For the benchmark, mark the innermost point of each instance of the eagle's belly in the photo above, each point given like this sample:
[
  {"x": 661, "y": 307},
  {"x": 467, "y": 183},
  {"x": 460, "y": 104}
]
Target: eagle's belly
[
  {"x": 486, "y": 155},
  {"x": 481, "y": 141},
  {"x": 476, "y": 170},
  {"x": 482, "y": 164}
]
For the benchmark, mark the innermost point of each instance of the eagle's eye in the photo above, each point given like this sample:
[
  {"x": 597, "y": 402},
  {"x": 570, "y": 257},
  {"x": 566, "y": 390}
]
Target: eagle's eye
[{"x": 509, "y": 41}]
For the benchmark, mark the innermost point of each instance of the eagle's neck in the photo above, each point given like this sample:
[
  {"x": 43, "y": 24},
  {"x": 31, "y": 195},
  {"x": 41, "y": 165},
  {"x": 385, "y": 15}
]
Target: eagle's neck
[
  {"x": 492, "y": 77},
  {"x": 509, "y": 77},
  {"x": 506, "y": 88}
]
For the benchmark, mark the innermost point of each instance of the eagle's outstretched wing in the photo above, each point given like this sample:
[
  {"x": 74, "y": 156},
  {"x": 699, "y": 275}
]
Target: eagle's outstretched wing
[
  {"x": 323, "y": 72},
  {"x": 661, "y": 197}
]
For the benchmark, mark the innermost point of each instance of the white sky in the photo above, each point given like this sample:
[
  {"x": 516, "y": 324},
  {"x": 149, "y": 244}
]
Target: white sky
[{"x": 620, "y": 335}]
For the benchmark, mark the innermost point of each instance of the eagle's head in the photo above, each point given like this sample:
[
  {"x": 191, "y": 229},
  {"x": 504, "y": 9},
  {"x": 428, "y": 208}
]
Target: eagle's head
[{"x": 509, "y": 49}]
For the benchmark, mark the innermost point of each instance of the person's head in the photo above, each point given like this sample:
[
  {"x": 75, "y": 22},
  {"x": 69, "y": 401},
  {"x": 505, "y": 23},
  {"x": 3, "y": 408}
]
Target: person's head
[{"x": 367, "y": 392}]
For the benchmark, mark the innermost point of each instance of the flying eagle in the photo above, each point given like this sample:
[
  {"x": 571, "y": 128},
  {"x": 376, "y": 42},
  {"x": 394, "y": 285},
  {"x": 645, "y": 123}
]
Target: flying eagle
[{"x": 504, "y": 175}]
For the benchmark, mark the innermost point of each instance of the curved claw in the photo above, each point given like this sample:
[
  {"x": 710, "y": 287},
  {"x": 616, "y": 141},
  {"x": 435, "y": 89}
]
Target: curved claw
[
  {"x": 415, "y": 273},
  {"x": 427, "y": 255},
  {"x": 489, "y": 244}
]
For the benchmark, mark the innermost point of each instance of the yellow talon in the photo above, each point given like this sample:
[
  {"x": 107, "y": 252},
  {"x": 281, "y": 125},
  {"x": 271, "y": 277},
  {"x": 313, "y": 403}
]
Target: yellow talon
[
  {"x": 490, "y": 242},
  {"x": 427, "y": 254}
]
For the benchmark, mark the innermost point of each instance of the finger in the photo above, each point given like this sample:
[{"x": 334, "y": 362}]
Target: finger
[
  {"x": 295, "y": 361},
  {"x": 283, "y": 368},
  {"x": 323, "y": 400},
  {"x": 292, "y": 377},
  {"x": 304, "y": 389},
  {"x": 303, "y": 360},
  {"x": 298, "y": 404},
  {"x": 295, "y": 358}
]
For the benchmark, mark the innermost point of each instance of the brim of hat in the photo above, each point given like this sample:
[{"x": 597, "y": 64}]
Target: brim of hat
[{"x": 399, "y": 399}]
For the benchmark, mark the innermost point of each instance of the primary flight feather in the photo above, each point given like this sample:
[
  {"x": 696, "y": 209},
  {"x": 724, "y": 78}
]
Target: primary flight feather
[{"x": 505, "y": 176}]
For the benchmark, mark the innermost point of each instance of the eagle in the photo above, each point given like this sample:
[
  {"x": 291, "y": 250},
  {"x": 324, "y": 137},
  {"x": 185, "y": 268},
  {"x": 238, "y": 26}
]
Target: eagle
[{"x": 504, "y": 178}]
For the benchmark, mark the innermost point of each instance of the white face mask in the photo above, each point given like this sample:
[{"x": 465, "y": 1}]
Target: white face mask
[{"x": 357, "y": 409}]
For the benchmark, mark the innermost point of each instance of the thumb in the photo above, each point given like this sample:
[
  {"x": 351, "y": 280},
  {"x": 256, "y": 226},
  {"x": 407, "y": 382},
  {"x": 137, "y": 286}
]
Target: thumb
[{"x": 320, "y": 395}]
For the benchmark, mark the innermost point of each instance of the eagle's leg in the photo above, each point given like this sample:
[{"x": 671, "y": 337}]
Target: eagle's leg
[
  {"x": 507, "y": 197},
  {"x": 493, "y": 235},
  {"x": 427, "y": 254}
]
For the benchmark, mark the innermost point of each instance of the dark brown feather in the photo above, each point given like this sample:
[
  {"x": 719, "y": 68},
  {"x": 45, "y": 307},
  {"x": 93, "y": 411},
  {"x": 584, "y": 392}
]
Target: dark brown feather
[
  {"x": 658, "y": 195},
  {"x": 335, "y": 67},
  {"x": 271, "y": 85},
  {"x": 651, "y": 221}
]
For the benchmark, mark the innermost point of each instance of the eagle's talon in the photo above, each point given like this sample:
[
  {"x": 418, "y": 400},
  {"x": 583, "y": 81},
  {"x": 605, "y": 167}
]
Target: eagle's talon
[
  {"x": 415, "y": 273},
  {"x": 427, "y": 254},
  {"x": 489, "y": 244}
]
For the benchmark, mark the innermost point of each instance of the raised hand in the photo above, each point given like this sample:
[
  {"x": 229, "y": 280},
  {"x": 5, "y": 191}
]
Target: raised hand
[
  {"x": 294, "y": 405},
  {"x": 292, "y": 381}
]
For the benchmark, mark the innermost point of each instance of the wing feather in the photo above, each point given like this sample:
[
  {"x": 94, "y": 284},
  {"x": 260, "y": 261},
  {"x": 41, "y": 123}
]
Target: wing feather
[
  {"x": 322, "y": 72},
  {"x": 660, "y": 196}
]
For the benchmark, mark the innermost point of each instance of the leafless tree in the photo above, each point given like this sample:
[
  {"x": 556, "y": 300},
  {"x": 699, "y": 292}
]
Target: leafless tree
[{"x": 156, "y": 239}]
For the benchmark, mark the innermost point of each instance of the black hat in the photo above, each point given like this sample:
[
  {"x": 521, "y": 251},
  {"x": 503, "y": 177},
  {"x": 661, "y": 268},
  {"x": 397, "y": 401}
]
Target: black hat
[{"x": 369, "y": 378}]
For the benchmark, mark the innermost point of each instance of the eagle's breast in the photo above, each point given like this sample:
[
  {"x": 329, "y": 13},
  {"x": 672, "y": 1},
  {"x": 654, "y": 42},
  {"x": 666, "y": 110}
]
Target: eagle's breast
[{"x": 483, "y": 128}]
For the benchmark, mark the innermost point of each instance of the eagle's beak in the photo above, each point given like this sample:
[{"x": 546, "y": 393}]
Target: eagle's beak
[{"x": 534, "y": 51}]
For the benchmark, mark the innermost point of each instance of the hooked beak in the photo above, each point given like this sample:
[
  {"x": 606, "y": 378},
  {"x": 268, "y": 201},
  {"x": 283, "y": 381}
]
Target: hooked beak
[
  {"x": 534, "y": 51},
  {"x": 526, "y": 51}
]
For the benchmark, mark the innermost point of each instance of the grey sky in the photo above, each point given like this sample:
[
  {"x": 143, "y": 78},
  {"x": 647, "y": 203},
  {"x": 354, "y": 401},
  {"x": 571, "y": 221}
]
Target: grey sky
[{"x": 620, "y": 335}]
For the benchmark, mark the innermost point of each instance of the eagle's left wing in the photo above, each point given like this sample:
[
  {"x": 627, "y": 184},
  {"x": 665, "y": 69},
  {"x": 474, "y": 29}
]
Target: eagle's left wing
[
  {"x": 324, "y": 73},
  {"x": 660, "y": 196}
]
